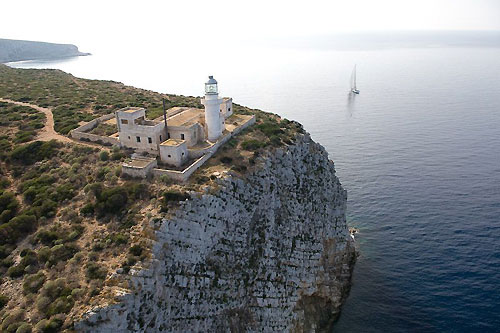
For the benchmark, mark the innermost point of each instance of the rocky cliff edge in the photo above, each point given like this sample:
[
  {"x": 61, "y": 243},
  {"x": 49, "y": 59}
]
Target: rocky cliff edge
[{"x": 270, "y": 251}]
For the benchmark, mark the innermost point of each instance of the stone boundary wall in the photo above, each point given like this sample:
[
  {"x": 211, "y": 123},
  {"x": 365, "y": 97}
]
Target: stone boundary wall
[
  {"x": 80, "y": 133},
  {"x": 250, "y": 122},
  {"x": 184, "y": 174},
  {"x": 200, "y": 152},
  {"x": 202, "y": 155}
]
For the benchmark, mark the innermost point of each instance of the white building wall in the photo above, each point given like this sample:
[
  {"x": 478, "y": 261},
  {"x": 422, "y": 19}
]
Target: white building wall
[
  {"x": 174, "y": 155},
  {"x": 226, "y": 107},
  {"x": 150, "y": 136},
  {"x": 213, "y": 118},
  {"x": 189, "y": 134}
]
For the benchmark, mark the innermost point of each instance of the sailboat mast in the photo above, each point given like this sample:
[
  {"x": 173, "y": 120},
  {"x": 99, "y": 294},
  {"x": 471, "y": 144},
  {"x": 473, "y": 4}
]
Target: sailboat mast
[{"x": 354, "y": 79}]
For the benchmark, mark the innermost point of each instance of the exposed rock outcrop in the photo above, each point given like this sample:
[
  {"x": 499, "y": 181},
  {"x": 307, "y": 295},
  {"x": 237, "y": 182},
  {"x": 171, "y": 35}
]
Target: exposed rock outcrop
[{"x": 271, "y": 252}]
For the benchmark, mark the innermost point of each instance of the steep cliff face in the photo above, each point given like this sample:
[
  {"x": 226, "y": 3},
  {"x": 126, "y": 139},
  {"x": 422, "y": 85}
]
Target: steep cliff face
[{"x": 269, "y": 252}]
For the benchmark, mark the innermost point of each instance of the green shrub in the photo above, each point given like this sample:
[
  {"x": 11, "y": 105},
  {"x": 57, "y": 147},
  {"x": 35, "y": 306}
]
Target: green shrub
[
  {"x": 117, "y": 156},
  {"x": 270, "y": 128},
  {"x": 226, "y": 159},
  {"x": 63, "y": 304},
  {"x": 53, "y": 297},
  {"x": 42, "y": 303},
  {"x": 119, "y": 238},
  {"x": 16, "y": 271},
  {"x": 136, "y": 250},
  {"x": 24, "y": 136},
  {"x": 34, "y": 282},
  {"x": 104, "y": 155},
  {"x": 94, "y": 188},
  {"x": 23, "y": 223},
  {"x": 33, "y": 152},
  {"x": 50, "y": 326},
  {"x": 87, "y": 210},
  {"x": 5, "y": 251},
  {"x": 111, "y": 200},
  {"x": 47, "y": 237},
  {"x": 16, "y": 228},
  {"x": 252, "y": 144},
  {"x": 24, "y": 328},
  {"x": 8, "y": 206},
  {"x": 4, "y": 182},
  {"x": 275, "y": 140},
  {"x": 12, "y": 321},
  {"x": 3, "y": 301},
  {"x": 6, "y": 263},
  {"x": 46, "y": 208},
  {"x": 95, "y": 271},
  {"x": 44, "y": 254},
  {"x": 77, "y": 231},
  {"x": 25, "y": 252},
  {"x": 136, "y": 190},
  {"x": 29, "y": 259},
  {"x": 63, "y": 192},
  {"x": 171, "y": 196},
  {"x": 62, "y": 252}
]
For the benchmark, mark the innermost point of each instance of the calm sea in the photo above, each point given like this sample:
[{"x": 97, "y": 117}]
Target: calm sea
[{"x": 418, "y": 151}]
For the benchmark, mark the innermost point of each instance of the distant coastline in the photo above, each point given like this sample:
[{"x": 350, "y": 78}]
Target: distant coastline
[{"x": 21, "y": 50}]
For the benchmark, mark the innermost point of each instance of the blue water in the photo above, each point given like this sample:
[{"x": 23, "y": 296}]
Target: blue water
[
  {"x": 418, "y": 151},
  {"x": 420, "y": 157}
]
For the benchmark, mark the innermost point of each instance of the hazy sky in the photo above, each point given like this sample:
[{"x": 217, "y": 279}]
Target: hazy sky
[{"x": 99, "y": 21}]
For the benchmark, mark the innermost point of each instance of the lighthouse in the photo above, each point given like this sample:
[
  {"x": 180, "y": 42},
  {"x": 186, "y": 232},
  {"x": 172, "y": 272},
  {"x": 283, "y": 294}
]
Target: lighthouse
[{"x": 212, "y": 103}]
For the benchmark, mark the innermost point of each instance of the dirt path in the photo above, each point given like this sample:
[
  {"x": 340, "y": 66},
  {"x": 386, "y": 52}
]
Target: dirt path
[{"x": 47, "y": 133}]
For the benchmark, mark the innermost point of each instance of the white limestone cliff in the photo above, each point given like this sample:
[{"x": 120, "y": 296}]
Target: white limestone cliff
[{"x": 270, "y": 252}]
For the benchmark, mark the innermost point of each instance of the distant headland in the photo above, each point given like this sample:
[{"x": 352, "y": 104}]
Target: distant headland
[{"x": 19, "y": 50}]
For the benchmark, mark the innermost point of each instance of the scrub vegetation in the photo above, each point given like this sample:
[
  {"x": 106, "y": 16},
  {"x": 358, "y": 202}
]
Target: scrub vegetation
[{"x": 68, "y": 219}]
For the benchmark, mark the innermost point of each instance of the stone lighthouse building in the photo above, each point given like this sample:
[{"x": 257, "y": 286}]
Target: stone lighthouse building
[
  {"x": 214, "y": 118},
  {"x": 182, "y": 136}
]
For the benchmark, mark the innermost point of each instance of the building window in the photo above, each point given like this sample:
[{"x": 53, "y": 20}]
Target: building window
[
  {"x": 149, "y": 140},
  {"x": 129, "y": 137},
  {"x": 182, "y": 154},
  {"x": 168, "y": 135},
  {"x": 169, "y": 155},
  {"x": 138, "y": 138},
  {"x": 182, "y": 136},
  {"x": 228, "y": 109},
  {"x": 160, "y": 139},
  {"x": 124, "y": 121}
]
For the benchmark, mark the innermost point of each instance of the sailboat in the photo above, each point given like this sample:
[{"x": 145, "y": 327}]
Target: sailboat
[{"x": 353, "y": 81}]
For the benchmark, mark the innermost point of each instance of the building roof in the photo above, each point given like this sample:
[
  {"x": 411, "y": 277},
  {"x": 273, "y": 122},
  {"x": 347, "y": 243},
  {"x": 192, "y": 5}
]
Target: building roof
[
  {"x": 131, "y": 109},
  {"x": 211, "y": 80},
  {"x": 186, "y": 118},
  {"x": 172, "y": 142}
]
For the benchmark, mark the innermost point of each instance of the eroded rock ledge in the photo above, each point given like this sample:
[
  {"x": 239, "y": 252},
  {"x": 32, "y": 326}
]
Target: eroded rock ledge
[{"x": 271, "y": 252}]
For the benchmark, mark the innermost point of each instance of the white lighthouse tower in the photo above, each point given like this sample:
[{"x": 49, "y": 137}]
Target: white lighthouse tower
[{"x": 213, "y": 116}]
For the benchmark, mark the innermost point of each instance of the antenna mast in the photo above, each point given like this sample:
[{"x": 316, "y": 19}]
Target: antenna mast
[{"x": 164, "y": 113}]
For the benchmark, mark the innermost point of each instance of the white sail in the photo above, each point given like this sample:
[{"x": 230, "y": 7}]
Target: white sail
[
  {"x": 353, "y": 78},
  {"x": 354, "y": 89}
]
